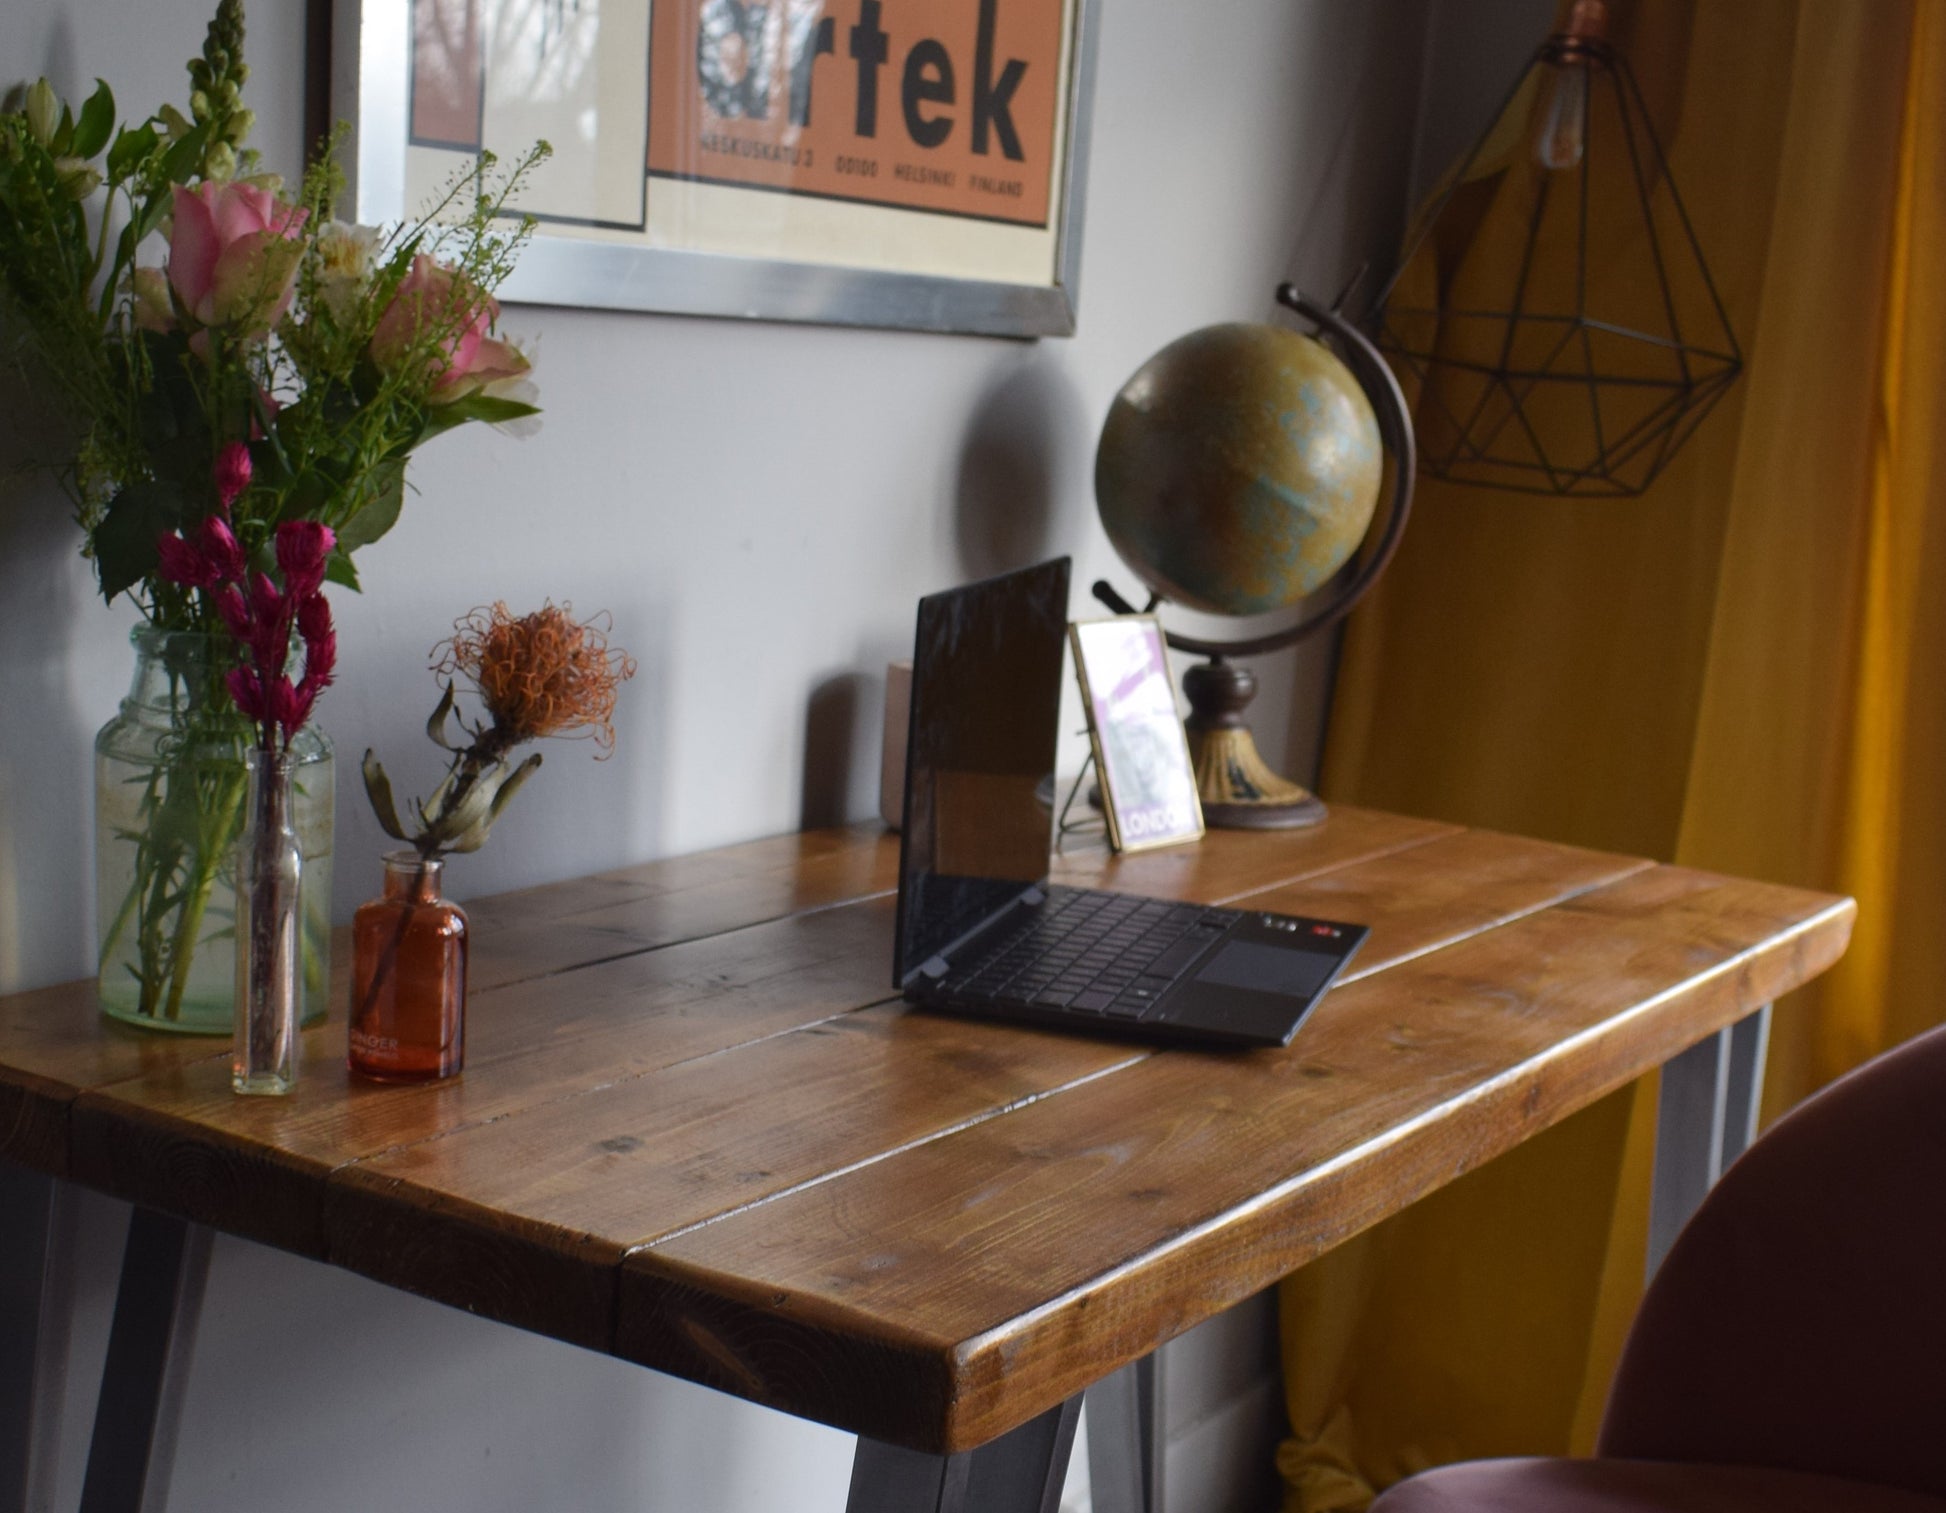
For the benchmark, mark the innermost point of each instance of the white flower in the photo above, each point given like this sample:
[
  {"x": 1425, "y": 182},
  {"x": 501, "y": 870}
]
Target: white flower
[
  {"x": 79, "y": 179},
  {"x": 43, "y": 111},
  {"x": 149, "y": 288},
  {"x": 522, "y": 389},
  {"x": 346, "y": 254}
]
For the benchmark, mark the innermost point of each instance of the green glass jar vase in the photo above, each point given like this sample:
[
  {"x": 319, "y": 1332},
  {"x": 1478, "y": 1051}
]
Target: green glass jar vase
[{"x": 170, "y": 788}]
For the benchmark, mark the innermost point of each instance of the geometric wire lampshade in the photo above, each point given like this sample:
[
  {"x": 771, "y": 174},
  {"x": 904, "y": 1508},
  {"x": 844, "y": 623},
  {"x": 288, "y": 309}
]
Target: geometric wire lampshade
[{"x": 1552, "y": 319}]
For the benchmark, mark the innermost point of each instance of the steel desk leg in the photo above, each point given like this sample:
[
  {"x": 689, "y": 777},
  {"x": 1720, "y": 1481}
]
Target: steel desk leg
[
  {"x": 37, "y": 1259},
  {"x": 1707, "y": 1115},
  {"x": 1125, "y": 1440},
  {"x": 1020, "y": 1472},
  {"x": 164, "y": 1268}
]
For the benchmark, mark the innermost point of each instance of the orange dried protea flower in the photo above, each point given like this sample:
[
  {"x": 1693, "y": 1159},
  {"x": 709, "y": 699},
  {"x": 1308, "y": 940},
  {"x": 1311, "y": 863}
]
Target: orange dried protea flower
[{"x": 544, "y": 674}]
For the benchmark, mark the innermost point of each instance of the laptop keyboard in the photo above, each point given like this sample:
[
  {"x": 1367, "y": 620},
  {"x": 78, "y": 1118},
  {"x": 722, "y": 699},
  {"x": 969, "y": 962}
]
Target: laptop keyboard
[{"x": 1089, "y": 953}]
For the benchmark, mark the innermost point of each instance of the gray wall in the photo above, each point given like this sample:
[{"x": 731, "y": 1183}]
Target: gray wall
[{"x": 758, "y": 506}]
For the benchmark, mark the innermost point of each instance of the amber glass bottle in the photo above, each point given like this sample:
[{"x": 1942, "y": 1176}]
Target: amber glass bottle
[{"x": 408, "y": 981}]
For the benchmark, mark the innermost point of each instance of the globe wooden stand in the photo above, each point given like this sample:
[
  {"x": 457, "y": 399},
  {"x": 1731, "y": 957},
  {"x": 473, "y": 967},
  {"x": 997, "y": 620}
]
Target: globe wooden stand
[{"x": 1237, "y": 787}]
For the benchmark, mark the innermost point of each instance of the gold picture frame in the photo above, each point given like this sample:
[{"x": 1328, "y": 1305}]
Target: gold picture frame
[{"x": 1141, "y": 751}]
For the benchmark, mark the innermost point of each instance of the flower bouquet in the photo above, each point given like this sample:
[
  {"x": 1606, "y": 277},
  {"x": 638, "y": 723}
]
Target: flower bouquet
[{"x": 219, "y": 363}]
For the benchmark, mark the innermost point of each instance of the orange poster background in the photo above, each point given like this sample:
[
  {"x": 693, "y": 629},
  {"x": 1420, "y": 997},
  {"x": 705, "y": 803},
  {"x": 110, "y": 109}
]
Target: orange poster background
[{"x": 723, "y": 113}]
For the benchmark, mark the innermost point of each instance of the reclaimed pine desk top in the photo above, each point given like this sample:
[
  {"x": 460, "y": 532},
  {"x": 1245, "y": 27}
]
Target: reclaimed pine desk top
[{"x": 697, "y": 1131}]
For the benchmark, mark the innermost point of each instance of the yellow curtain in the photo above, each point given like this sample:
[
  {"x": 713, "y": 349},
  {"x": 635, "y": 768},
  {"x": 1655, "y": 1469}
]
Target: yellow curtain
[{"x": 1737, "y": 671}]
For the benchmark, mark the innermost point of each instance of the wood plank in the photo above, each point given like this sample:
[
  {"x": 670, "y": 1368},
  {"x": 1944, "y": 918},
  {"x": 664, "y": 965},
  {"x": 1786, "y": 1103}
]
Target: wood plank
[
  {"x": 1438, "y": 893},
  {"x": 60, "y": 1046},
  {"x": 1005, "y": 1266},
  {"x": 272, "y": 1156},
  {"x": 179, "y": 1139},
  {"x": 34, "y": 1122},
  {"x": 526, "y": 1218},
  {"x": 534, "y": 932},
  {"x": 56, "y": 1041},
  {"x": 55, "y": 1045},
  {"x": 1232, "y": 864},
  {"x": 679, "y": 874},
  {"x": 695, "y": 1150},
  {"x": 59, "y": 1042}
]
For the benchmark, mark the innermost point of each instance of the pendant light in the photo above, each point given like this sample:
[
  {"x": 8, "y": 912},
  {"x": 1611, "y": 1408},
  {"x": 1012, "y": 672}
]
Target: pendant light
[{"x": 1552, "y": 318}]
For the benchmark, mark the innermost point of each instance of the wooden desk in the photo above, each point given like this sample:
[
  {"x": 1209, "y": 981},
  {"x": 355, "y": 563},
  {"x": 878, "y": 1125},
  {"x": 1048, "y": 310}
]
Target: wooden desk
[{"x": 696, "y": 1130}]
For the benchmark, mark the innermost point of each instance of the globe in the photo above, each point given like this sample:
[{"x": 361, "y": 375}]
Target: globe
[{"x": 1238, "y": 469}]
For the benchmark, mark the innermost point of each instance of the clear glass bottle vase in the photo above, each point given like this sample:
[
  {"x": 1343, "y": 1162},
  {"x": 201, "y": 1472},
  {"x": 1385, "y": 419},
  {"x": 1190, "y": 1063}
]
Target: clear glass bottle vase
[
  {"x": 269, "y": 894},
  {"x": 408, "y": 978},
  {"x": 169, "y": 805}
]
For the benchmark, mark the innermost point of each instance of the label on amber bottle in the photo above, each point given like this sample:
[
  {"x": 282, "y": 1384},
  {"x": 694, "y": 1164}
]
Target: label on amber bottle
[{"x": 374, "y": 1045}]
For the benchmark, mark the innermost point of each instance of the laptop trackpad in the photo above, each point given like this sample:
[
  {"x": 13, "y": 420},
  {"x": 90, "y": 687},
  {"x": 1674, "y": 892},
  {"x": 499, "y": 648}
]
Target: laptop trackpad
[
  {"x": 1294, "y": 972},
  {"x": 1251, "y": 992}
]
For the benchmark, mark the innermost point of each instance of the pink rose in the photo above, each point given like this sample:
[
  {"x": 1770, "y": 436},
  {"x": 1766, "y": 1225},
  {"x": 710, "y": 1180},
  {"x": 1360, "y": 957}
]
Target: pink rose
[
  {"x": 233, "y": 255},
  {"x": 443, "y": 319}
]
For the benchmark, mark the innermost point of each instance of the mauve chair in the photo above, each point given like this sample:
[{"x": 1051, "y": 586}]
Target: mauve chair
[{"x": 1790, "y": 1356}]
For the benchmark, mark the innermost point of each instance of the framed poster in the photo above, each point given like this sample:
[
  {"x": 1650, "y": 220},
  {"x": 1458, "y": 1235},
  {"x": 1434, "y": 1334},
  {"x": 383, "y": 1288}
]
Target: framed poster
[
  {"x": 1148, "y": 783},
  {"x": 909, "y": 163}
]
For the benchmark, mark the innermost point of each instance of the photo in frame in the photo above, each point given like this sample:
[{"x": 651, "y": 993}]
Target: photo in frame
[
  {"x": 1148, "y": 784},
  {"x": 839, "y": 161}
]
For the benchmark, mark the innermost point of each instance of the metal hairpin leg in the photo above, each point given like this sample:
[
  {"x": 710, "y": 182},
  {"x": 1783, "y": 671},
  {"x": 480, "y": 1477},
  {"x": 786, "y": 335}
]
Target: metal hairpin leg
[
  {"x": 37, "y": 1246},
  {"x": 164, "y": 1268},
  {"x": 1020, "y": 1472},
  {"x": 1125, "y": 1440},
  {"x": 1707, "y": 1116}
]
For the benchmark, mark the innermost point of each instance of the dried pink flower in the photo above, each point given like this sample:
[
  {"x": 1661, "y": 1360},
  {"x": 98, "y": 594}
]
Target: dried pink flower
[{"x": 232, "y": 473}]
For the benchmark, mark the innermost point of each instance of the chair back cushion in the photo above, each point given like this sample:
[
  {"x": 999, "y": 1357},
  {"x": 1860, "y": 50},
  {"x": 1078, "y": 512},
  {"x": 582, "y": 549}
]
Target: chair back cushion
[{"x": 1799, "y": 1320}]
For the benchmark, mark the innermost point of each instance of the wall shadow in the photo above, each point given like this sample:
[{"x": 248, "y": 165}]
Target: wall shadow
[
  {"x": 1019, "y": 442},
  {"x": 46, "y": 780},
  {"x": 1338, "y": 222},
  {"x": 833, "y": 740}
]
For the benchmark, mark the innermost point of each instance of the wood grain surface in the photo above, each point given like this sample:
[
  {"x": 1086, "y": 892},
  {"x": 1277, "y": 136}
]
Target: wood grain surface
[{"x": 696, "y": 1129}]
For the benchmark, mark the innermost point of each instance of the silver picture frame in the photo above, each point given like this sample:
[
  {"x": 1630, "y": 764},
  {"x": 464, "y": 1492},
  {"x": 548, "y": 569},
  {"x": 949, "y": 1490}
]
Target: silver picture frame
[{"x": 369, "y": 87}]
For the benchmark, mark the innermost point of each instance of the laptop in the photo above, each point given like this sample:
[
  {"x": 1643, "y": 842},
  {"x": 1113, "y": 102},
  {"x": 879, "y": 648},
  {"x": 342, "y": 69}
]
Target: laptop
[{"x": 982, "y": 932}]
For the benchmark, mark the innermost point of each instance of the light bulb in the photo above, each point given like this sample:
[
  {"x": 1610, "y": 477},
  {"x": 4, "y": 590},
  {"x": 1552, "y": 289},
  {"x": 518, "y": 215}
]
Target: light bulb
[{"x": 1562, "y": 138}]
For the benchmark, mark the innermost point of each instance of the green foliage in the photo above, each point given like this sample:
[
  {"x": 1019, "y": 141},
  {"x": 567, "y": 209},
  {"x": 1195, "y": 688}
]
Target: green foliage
[
  {"x": 125, "y": 541},
  {"x": 459, "y": 815},
  {"x": 97, "y": 120},
  {"x": 487, "y": 407},
  {"x": 152, "y": 395},
  {"x": 382, "y": 513}
]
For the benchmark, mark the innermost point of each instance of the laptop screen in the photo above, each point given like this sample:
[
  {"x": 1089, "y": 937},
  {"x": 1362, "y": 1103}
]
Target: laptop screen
[{"x": 979, "y": 774}]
